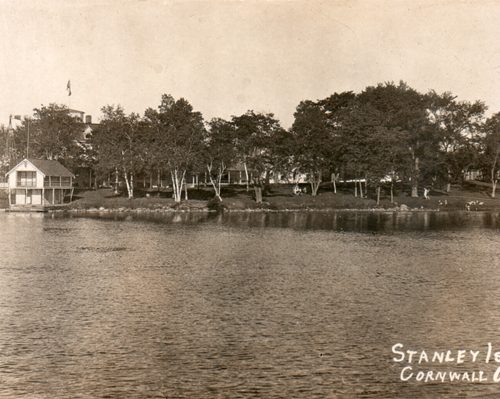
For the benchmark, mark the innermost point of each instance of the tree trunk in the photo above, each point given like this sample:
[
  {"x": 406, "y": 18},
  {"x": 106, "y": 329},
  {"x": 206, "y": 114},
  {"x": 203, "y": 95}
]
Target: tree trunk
[
  {"x": 315, "y": 183},
  {"x": 266, "y": 181},
  {"x": 177, "y": 183},
  {"x": 130, "y": 189},
  {"x": 216, "y": 184},
  {"x": 334, "y": 178},
  {"x": 116, "y": 181},
  {"x": 392, "y": 192},
  {"x": 185, "y": 189},
  {"x": 494, "y": 175},
  {"x": 378, "y": 195},
  {"x": 220, "y": 188},
  {"x": 448, "y": 183},
  {"x": 258, "y": 194},
  {"x": 246, "y": 175},
  {"x": 174, "y": 186},
  {"x": 414, "y": 180}
]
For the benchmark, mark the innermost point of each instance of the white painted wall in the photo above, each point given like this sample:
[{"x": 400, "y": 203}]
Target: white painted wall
[
  {"x": 20, "y": 199},
  {"x": 25, "y": 166},
  {"x": 36, "y": 197}
]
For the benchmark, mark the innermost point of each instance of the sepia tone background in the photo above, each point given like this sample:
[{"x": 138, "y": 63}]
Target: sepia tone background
[{"x": 226, "y": 57}]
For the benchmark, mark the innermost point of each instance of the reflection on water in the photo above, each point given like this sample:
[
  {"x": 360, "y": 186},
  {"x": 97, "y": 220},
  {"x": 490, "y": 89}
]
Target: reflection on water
[
  {"x": 336, "y": 221},
  {"x": 247, "y": 305}
]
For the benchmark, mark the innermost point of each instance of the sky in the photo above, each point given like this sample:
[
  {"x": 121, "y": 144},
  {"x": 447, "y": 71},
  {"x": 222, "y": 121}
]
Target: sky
[{"x": 227, "y": 57}]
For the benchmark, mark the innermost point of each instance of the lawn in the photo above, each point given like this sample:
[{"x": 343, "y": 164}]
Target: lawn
[{"x": 280, "y": 197}]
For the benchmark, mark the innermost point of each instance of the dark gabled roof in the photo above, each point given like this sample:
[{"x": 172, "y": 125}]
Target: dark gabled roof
[{"x": 51, "y": 168}]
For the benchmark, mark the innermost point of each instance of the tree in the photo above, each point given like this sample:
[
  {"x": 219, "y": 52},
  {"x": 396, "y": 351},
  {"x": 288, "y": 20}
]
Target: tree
[
  {"x": 405, "y": 110},
  {"x": 456, "y": 124},
  {"x": 358, "y": 124},
  {"x": 312, "y": 150},
  {"x": 491, "y": 154},
  {"x": 280, "y": 150},
  {"x": 336, "y": 107},
  {"x": 178, "y": 135},
  {"x": 5, "y": 161},
  {"x": 384, "y": 158},
  {"x": 254, "y": 134},
  {"x": 53, "y": 134},
  {"x": 118, "y": 144},
  {"x": 220, "y": 151},
  {"x": 369, "y": 148}
]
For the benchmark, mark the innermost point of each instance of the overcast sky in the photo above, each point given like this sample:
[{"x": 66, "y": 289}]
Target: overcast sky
[{"x": 226, "y": 57}]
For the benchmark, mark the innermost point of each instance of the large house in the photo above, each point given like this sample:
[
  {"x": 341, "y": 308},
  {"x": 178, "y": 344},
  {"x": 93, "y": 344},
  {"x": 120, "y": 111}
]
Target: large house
[{"x": 36, "y": 183}]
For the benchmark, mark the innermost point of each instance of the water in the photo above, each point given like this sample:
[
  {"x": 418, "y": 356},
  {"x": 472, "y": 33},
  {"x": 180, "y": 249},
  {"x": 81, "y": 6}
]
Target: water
[{"x": 293, "y": 305}]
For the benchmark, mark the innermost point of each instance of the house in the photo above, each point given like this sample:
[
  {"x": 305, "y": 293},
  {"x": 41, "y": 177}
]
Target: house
[{"x": 36, "y": 183}]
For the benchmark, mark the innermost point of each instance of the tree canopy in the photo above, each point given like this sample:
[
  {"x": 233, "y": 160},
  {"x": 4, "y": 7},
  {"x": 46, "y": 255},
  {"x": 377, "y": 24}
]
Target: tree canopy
[{"x": 386, "y": 133}]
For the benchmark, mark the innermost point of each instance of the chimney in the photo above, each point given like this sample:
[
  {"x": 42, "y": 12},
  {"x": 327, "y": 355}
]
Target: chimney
[{"x": 88, "y": 119}]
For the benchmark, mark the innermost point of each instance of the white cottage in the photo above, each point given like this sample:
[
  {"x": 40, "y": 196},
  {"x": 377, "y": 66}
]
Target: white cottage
[{"x": 38, "y": 183}]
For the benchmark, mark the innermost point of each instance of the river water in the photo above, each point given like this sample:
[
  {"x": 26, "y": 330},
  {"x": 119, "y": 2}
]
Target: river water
[{"x": 248, "y": 305}]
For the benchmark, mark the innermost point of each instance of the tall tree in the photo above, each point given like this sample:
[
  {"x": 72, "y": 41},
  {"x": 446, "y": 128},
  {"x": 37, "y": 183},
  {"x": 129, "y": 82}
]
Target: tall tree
[
  {"x": 491, "y": 154},
  {"x": 179, "y": 132},
  {"x": 254, "y": 135},
  {"x": 53, "y": 134},
  {"x": 312, "y": 142},
  {"x": 118, "y": 144},
  {"x": 4, "y": 152},
  {"x": 457, "y": 125},
  {"x": 337, "y": 108},
  {"x": 370, "y": 148},
  {"x": 220, "y": 151},
  {"x": 405, "y": 109},
  {"x": 280, "y": 151}
]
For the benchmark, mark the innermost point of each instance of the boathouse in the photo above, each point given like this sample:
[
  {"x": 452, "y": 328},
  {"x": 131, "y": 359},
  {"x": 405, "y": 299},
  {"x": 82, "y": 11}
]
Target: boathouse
[{"x": 37, "y": 183}]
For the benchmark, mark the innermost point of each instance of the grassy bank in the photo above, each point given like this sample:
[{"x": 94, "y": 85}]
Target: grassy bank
[{"x": 280, "y": 197}]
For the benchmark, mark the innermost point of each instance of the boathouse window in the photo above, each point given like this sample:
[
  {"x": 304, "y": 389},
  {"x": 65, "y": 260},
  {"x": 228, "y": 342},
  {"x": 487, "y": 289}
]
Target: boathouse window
[
  {"x": 26, "y": 179},
  {"x": 65, "y": 181}
]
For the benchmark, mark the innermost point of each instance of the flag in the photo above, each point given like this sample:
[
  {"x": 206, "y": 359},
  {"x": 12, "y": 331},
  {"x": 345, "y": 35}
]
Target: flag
[{"x": 68, "y": 87}]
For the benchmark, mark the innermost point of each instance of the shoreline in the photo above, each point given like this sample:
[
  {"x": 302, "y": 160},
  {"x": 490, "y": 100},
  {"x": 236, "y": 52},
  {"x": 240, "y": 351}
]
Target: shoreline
[
  {"x": 201, "y": 210},
  {"x": 278, "y": 201},
  {"x": 256, "y": 210}
]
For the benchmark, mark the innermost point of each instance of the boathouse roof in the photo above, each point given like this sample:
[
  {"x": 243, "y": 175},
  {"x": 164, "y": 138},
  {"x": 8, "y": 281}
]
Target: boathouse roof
[{"x": 47, "y": 167}]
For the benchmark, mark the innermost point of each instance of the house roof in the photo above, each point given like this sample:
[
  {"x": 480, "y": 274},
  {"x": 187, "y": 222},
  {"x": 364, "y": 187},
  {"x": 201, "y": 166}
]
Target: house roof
[
  {"x": 47, "y": 167},
  {"x": 50, "y": 168},
  {"x": 75, "y": 111}
]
